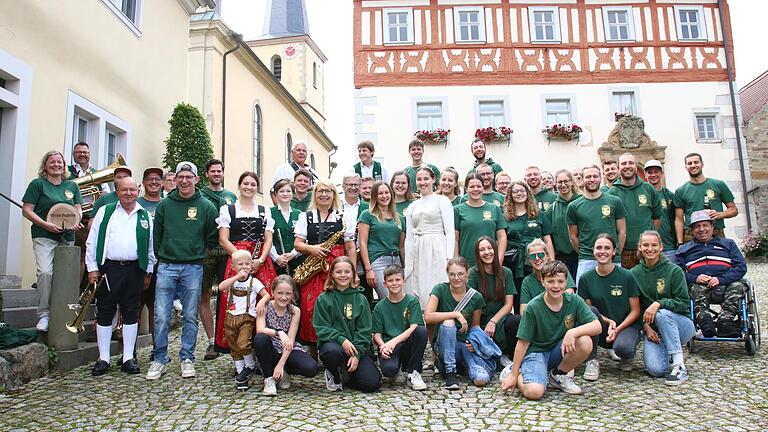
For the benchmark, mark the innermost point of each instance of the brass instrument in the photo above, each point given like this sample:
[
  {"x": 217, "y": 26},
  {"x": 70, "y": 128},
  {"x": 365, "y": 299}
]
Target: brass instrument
[
  {"x": 90, "y": 182},
  {"x": 312, "y": 265},
  {"x": 82, "y": 305}
]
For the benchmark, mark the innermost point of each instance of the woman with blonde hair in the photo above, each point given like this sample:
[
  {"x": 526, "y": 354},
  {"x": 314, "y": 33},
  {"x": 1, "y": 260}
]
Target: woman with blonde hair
[
  {"x": 449, "y": 185},
  {"x": 401, "y": 187}
]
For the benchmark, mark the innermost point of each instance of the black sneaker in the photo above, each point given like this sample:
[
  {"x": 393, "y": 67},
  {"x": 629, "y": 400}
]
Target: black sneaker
[
  {"x": 243, "y": 378},
  {"x": 100, "y": 368},
  {"x": 451, "y": 381},
  {"x": 728, "y": 329},
  {"x": 707, "y": 326}
]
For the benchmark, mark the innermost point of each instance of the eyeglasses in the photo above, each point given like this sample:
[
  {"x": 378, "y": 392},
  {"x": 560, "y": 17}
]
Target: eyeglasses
[
  {"x": 564, "y": 182},
  {"x": 154, "y": 179},
  {"x": 518, "y": 191},
  {"x": 184, "y": 178},
  {"x": 351, "y": 185},
  {"x": 537, "y": 256},
  {"x": 323, "y": 192}
]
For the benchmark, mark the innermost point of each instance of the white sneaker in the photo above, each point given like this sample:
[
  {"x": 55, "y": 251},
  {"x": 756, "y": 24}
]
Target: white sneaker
[
  {"x": 505, "y": 372},
  {"x": 564, "y": 383},
  {"x": 504, "y": 361},
  {"x": 285, "y": 382},
  {"x": 592, "y": 371},
  {"x": 156, "y": 370},
  {"x": 625, "y": 365},
  {"x": 329, "y": 383},
  {"x": 415, "y": 381},
  {"x": 42, "y": 324},
  {"x": 177, "y": 305},
  {"x": 187, "y": 369},
  {"x": 613, "y": 356},
  {"x": 269, "y": 387}
]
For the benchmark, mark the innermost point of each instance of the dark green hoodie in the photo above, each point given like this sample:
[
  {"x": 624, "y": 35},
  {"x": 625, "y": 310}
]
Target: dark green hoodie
[
  {"x": 344, "y": 315},
  {"x": 664, "y": 283},
  {"x": 184, "y": 228},
  {"x": 557, "y": 216},
  {"x": 643, "y": 206}
]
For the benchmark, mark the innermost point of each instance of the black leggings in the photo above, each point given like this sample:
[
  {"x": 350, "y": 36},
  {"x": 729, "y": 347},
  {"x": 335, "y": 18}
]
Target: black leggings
[
  {"x": 511, "y": 323},
  {"x": 406, "y": 355},
  {"x": 366, "y": 378},
  {"x": 298, "y": 362}
]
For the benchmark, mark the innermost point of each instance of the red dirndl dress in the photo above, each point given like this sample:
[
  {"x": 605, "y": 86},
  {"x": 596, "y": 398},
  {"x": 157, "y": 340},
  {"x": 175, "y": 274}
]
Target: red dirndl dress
[
  {"x": 265, "y": 274},
  {"x": 310, "y": 291}
]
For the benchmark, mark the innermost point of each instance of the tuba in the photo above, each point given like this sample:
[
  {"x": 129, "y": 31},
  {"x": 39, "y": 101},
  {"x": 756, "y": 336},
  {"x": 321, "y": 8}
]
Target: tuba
[
  {"x": 313, "y": 265},
  {"x": 89, "y": 183}
]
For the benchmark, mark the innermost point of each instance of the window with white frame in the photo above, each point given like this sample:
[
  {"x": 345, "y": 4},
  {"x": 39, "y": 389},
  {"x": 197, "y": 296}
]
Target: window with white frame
[
  {"x": 258, "y": 133},
  {"x": 491, "y": 113},
  {"x": 706, "y": 127},
  {"x": 469, "y": 24},
  {"x": 127, "y": 8},
  {"x": 429, "y": 115},
  {"x": 623, "y": 102},
  {"x": 398, "y": 26},
  {"x": 690, "y": 23},
  {"x": 558, "y": 111},
  {"x": 128, "y": 11},
  {"x": 544, "y": 23},
  {"x": 106, "y": 134},
  {"x": 619, "y": 23}
]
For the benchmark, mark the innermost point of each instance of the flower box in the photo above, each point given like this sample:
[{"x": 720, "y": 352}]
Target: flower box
[
  {"x": 436, "y": 136},
  {"x": 490, "y": 134},
  {"x": 562, "y": 132}
]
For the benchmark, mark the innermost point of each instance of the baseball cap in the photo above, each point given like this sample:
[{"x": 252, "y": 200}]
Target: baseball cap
[
  {"x": 186, "y": 166},
  {"x": 156, "y": 170},
  {"x": 124, "y": 169},
  {"x": 653, "y": 163},
  {"x": 700, "y": 216}
]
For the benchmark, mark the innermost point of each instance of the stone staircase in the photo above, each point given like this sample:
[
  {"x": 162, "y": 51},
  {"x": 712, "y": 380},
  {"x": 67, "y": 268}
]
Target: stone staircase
[{"x": 19, "y": 305}]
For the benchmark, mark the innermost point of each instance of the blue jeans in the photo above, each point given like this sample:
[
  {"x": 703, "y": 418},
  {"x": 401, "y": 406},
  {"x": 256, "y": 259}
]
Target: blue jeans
[
  {"x": 670, "y": 254},
  {"x": 188, "y": 278},
  {"x": 674, "y": 330},
  {"x": 378, "y": 267},
  {"x": 536, "y": 365},
  {"x": 584, "y": 266},
  {"x": 450, "y": 351}
]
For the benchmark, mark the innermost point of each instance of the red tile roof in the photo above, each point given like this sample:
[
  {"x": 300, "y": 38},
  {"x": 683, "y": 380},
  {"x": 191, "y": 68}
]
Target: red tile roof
[{"x": 754, "y": 96}]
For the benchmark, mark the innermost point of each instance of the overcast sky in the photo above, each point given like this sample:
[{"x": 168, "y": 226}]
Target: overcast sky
[{"x": 331, "y": 29}]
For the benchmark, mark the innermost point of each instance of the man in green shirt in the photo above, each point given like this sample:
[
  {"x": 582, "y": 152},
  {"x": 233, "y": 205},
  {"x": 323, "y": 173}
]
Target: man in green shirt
[
  {"x": 591, "y": 215},
  {"x": 215, "y": 263},
  {"x": 654, "y": 172},
  {"x": 550, "y": 343},
  {"x": 701, "y": 193},
  {"x": 399, "y": 331},
  {"x": 416, "y": 150},
  {"x": 642, "y": 204},
  {"x": 485, "y": 171},
  {"x": 479, "y": 152},
  {"x": 302, "y": 195},
  {"x": 111, "y": 197},
  {"x": 544, "y": 197},
  {"x": 610, "y": 174}
]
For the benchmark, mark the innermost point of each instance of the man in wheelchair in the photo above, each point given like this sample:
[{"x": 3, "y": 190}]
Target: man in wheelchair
[{"x": 714, "y": 268}]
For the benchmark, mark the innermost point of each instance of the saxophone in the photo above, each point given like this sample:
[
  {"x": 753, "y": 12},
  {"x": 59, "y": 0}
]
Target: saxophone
[{"x": 312, "y": 265}]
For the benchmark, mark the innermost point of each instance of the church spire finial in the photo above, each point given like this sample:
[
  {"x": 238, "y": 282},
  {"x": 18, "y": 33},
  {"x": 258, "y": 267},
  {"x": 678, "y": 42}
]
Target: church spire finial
[{"x": 285, "y": 18}]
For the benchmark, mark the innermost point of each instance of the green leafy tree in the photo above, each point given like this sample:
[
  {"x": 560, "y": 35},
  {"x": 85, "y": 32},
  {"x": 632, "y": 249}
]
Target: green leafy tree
[{"x": 188, "y": 140}]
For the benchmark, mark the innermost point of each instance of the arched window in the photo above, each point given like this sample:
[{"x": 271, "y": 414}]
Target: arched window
[
  {"x": 288, "y": 146},
  {"x": 277, "y": 67},
  {"x": 314, "y": 74},
  {"x": 312, "y": 161},
  {"x": 258, "y": 134}
]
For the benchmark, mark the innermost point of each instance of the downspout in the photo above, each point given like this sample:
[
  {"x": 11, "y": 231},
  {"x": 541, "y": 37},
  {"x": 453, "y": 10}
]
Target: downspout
[
  {"x": 238, "y": 38},
  {"x": 736, "y": 123},
  {"x": 331, "y": 165}
]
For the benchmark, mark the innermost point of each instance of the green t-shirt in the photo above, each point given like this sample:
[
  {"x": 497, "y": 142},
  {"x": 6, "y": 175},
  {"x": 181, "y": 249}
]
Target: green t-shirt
[
  {"x": 392, "y": 319},
  {"x": 301, "y": 204},
  {"x": 557, "y": 217},
  {"x": 410, "y": 171},
  {"x": 492, "y": 197},
  {"x": 531, "y": 287},
  {"x": 149, "y": 206},
  {"x": 104, "y": 200},
  {"x": 492, "y": 306},
  {"x": 545, "y": 198},
  {"x": 610, "y": 294},
  {"x": 521, "y": 231},
  {"x": 543, "y": 327},
  {"x": 594, "y": 217},
  {"x": 446, "y": 303},
  {"x": 474, "y": 222},
  {"x": 690, "y": 197},
  {"x": 456, "y": 201},
  {"x": 667, "y": 225},
  {"x": 383, "y": 237},
  {"x": 401, "y": 206},
  {"x": 44, "y": 195},
  {"x": 641, "y": 201},
  {"x": 218, "y": 198}
]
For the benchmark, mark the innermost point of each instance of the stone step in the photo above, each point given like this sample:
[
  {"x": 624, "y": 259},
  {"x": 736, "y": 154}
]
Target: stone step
[
  {"x": 18, "y": 297},
  {"x": 10, "y": 282},
  {"x": 21, "y": 317}
]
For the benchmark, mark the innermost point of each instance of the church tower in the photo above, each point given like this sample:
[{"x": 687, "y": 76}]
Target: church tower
[{"x": 287, "y": 49}]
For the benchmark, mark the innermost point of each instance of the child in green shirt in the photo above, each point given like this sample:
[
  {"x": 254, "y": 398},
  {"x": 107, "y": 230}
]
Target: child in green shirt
[{"x": 399, "y": 331}]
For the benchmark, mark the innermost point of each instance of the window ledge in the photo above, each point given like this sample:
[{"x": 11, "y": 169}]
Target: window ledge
[
  {"x": 709, "y": 141},
  {"x": 124, "y": 19},
  {"x": 468, "y": 42},
  {"x": 405, "y": 43},
  {"x": 545, "y": 41}
]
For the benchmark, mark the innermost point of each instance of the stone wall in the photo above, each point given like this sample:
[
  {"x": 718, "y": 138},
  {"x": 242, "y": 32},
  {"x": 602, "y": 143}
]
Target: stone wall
[{"x": 756, "y": 132}]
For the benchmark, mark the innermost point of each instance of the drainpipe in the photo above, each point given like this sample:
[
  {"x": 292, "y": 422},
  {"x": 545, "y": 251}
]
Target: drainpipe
[
  {"x": 734, "y": 108},
  {"x": 331, "y": 165},
  {"x": 238, "y": 38}
]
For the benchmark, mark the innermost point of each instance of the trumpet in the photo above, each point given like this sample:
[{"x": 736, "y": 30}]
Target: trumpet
[{"x": 82, "y": 305}]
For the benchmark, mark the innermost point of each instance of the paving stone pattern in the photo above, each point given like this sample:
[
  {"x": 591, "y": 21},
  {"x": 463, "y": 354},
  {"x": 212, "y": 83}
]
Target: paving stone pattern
[{"x": 727, "y": 391}]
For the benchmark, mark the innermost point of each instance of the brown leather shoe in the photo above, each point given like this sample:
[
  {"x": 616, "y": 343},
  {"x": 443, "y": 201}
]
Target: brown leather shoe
[{"x": 210, "y": 354}]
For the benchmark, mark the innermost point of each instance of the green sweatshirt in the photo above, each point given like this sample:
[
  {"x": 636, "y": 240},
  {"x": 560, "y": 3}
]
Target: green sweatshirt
[
  {"x": 643, "y": 206},
  {"x": 665, "y": 283},
  {"x": 184, "y": 228},
  {"x": 344, "y": 315},
  {"x": 560, "y": 239}
]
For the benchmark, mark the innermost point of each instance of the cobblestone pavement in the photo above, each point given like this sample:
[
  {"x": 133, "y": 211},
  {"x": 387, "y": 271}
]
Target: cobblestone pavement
[{"x": 727, "y": 390}]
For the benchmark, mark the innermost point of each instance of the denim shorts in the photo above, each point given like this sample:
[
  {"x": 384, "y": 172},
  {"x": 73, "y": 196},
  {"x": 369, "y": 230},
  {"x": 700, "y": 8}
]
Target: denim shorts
[{"x": 536, "y": 365}]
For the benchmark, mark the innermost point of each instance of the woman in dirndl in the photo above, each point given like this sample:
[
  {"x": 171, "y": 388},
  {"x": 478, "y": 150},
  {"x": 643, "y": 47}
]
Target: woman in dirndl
[
  {"x": 322, "y": 220},
  {"x": 248, "y": 226}
]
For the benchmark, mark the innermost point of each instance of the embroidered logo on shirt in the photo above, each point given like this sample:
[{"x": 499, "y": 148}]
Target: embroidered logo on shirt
[
  {"x": 546, "y": 206},
  {"x": 144, "y": 224},
  {"x": 660, "y": 286},
  {"x": 348, "y": 311},
  {"x": 606, "y": 210},
  {"x": 532, "y": 224},
  {"x": 569, "y": 321},
  {"x": 497, "y": 202},
  {"x": 642, "y": 199},
  {"x": 69, "y": 194},
  {"x": 710, "y": 193},
  {"x": 406, "y": 314},
  {"x": 664, "y": 203},
  {"x": 192, "y": 213},
  {"x": 616, "y": 290},
  {"x": 487, "y": 215}
]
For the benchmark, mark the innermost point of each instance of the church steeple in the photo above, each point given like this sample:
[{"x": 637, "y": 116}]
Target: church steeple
[{"x": 285, "y": 18}]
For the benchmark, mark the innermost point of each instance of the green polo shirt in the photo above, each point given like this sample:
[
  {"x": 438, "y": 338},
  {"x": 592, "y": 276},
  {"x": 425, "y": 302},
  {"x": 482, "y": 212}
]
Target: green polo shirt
[
  {"x": 690, "y": 197},
  {"x": 392, "y": 319},
  {"x": 544, "y": 328}
]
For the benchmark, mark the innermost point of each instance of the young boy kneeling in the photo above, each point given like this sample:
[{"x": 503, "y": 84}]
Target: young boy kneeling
[
  {"x": 550, "y": 344},
  {"x": 399, "y": 331}
]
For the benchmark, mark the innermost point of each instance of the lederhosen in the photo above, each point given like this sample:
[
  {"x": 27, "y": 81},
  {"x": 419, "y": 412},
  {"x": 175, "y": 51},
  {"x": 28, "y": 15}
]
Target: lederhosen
[
  {"x": 317, "y": 232},
  {"x": 235, "y": 324},
  {"x": 245, "y": 233}
]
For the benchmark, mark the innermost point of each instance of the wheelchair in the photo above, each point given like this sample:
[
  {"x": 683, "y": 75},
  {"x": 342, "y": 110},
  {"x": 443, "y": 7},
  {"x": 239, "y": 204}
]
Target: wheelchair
[{"x": 749, "y": 322}]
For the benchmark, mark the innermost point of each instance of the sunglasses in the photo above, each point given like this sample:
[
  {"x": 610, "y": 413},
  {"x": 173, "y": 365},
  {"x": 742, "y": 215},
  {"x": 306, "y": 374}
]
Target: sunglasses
[{"x": 537, "y": 256}]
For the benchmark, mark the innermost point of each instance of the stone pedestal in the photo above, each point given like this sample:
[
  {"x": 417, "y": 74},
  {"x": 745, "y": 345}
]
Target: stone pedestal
[
  {"x": 628, "y": 136},
  {"x": 65, "y": 290}
]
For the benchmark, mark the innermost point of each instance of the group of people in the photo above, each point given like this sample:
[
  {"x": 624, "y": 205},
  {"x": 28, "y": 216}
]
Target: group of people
[{"x": 527, "y": 277}]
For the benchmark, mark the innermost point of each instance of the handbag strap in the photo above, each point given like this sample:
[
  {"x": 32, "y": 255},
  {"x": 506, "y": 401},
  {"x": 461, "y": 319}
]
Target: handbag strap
[{"x": 465, "y": 300}]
